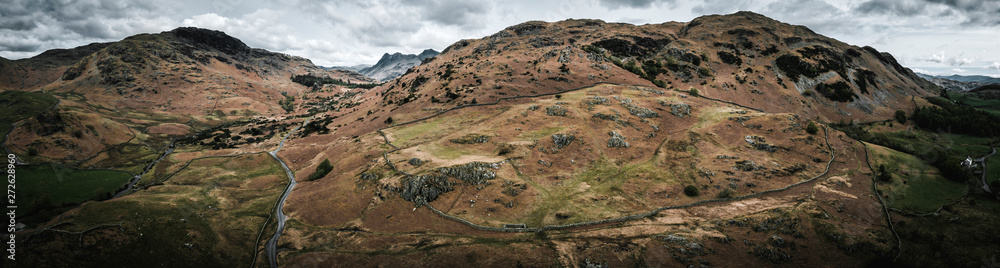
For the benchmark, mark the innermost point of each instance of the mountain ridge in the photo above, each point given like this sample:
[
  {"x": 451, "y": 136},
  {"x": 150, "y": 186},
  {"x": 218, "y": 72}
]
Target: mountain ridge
[{"x": 612, "y": 144}]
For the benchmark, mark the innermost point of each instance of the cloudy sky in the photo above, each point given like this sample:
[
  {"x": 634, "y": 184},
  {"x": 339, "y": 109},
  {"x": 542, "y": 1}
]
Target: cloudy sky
[{"x": 930, "y": 36}]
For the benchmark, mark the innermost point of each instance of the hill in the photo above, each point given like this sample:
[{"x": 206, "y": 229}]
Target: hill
[{"x": 572, "y": 143}]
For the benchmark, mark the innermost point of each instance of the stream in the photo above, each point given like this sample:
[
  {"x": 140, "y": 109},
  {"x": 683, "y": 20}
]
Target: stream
[{"x": 272, "y": 244}]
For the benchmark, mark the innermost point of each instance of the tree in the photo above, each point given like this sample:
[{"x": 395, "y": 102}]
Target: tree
[
  {"x": 324, "y": 168},
  {"x": 900, "y": 116},
  {"x": 693, "y": 92},
  {"x": 811, "y": 128},
  {"x": 883, "y": 173},
  {"x": 691, "y": 190}
]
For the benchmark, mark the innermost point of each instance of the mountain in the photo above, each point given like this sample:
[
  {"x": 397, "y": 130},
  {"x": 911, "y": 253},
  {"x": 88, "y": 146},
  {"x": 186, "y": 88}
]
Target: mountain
[
  {"x": 744, "y": 58},
  {"x": 393, "y": 65},
  {"x": 570, "y": 133},
  {"x": 965, "y": 78},
  {"x": 356, "y": 68},
  {"x": 576, "y": 143},
  {"x": 960, "y": 83}
]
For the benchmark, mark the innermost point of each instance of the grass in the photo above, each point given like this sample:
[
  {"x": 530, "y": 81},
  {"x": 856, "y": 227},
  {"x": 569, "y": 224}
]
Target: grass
[
  {"x": 451, "y": 152},
  {"x": 4, "y": 128},
  {"x": 922, "y": 189},
  {"x": 433, "y": 128},
  {"x": 712, "y": 116},
  {"x": 993, "y": 170},
  {"x": 990, "y": 106},
  {"x": 541, "y": 133},
  {"x": 19, "y": 105},
  {"x": 57, "y": 185},
  {"x": 211, "y": 220},
  {"x": 968, "y": 145},
  {"x": 605, "y": 179}
]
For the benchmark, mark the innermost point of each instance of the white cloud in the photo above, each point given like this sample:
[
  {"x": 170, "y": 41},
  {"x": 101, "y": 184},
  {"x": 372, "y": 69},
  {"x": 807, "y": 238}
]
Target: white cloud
[
  {"x": 958, "y": 70},
  {"x": 950, "y": 61}
]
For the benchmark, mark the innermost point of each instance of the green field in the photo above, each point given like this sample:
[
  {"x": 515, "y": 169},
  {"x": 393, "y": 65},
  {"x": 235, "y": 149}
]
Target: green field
[
  {"x": 916, "y": 186},
  {"x": 54, "y": 185},
  {"x": 18, "y": 105},
  {"x": 993, "y": 170},
  {"x": 990, "y": 106},
  {"x": 968, "y": 145}
]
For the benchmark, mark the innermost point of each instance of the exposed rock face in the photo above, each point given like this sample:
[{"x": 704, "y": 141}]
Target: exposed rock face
[
  {"x": 212, "y": 38},
  {"x": 396, "y": 64},
  {"x": 427, "y": 187},
  {"x": 562, "y": 140},
  {"x": 617, "y": 140}
]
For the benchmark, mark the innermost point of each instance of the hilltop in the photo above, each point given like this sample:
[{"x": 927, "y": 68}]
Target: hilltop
[{"x": 570, "y": 143}]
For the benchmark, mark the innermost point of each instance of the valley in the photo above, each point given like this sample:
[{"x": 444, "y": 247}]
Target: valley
[{"x": 729, "y": 140}]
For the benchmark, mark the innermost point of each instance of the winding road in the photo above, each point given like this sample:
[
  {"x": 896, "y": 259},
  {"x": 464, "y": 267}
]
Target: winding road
[
  {"x": 272, "y": 244},
  {"x": 982, "y": 163}
]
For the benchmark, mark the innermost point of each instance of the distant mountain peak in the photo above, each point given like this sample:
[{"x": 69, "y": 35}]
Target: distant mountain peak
[{"x": 394, "y": 65}]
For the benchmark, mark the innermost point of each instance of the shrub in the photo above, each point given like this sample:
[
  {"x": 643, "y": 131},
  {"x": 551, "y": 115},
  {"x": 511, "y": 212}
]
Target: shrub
[
  {"x": 704, "y": 72},
  {"x": 726, "y": 193},
  {"x": 730, "y": 58},
  {"x": 900, "y": 116},
  {"x": 883, "y": 174},
  {"x": 324, "y": 168},
  {"x": 693, "y": 92},
  {"x": 660, "y": 83},
  {"x": 691, "y": 190},
  {"x": 839, "y": 91},
  {"x": 811, "y": 128}
]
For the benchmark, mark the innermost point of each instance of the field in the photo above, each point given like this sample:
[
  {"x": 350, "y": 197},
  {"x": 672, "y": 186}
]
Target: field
[
  {"x": 991, "y": 106},
  {"x": 211, "y": 214},
  {"x": 55, "y": 185},
  {"x": 993, "y": 170},
  {"x": 18, "y": 105},
  {"x": 916, "y": 187}
]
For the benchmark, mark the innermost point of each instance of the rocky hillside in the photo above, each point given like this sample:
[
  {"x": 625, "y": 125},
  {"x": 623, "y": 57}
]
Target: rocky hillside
[
  {"x": 745, "y": 58},
  {"x": 576, "y": 143},
  {"x": 166, "y": 85},
  {"x": 393, "y": 65}
]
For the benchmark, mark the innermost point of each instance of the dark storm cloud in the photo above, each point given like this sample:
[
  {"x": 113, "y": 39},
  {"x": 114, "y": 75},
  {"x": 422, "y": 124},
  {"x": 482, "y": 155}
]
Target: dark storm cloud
[
  {"x": 19, "y": 45},
  {"x": 968, "y": 12},
  {"x": 452, "y": 12},
  {"x": 616, "y": 4},
  {"x": 28, "y": 25}
]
